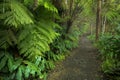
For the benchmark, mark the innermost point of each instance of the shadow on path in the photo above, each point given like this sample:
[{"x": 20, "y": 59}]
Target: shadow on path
[{"x": 82, "y": 64}]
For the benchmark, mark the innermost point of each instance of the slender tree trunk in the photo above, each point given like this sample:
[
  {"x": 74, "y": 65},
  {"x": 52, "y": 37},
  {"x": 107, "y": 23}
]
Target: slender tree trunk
[
  {"x": 91, "y": 29},
  {"x": 35, "y": 4},
  {"x": 69, "y": 22},
  {"x": 70, "y": 8},
  {"x": 104, "y": 25},
  {"x": 98, "y": 19}
]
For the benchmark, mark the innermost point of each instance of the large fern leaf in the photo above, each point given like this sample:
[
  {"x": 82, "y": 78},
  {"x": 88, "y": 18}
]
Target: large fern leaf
[
  {"x": 35, "y": 39},
  {"x": 15, "y": 14},
  {"x": 26, "y": 41}
]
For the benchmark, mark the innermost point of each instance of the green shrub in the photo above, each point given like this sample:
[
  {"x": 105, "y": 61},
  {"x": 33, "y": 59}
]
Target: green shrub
[
  {"x": 30, "y": 40},
  {"x": 62, "y": 44},
  {"x": 109, "y": 45}
]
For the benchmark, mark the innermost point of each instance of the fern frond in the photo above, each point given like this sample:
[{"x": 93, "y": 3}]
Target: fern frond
[
  {"x": 110, "y": 15},
  {"x": 10, "y": 63},
  {"x": 3, "y": 62},
  {"x": 46, "y": 3},
  {"x": 35, "y": 39},
  {"x": 50, "y": 7},
  {"x": 19, "y": 74},
  {"x": 7, "y": 38},
  {"x": 16, "y": 15},
  {"x": 27, "y": 72}
]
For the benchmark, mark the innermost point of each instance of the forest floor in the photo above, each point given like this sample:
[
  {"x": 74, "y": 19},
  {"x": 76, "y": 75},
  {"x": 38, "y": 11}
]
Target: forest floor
[{"x": 82, "y": 64}]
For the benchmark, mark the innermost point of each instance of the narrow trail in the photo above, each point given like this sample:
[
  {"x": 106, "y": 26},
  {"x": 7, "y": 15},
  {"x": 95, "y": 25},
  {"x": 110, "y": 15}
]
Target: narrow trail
[{"x": 82, "y": 64}]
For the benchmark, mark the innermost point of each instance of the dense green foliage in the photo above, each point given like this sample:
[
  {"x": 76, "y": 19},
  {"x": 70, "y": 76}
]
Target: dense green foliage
[
  {"x": 109, "y": 45},
  {"x": 108, "y": 42},
  {"x": 34, "y": 34},
  {"x": 30, "y": 40},
  {"x": 25, "y": 36}
]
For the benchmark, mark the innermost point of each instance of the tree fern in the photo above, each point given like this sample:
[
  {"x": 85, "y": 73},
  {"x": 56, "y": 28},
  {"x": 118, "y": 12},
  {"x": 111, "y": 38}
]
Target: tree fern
[{"x": 24, "y": 38}]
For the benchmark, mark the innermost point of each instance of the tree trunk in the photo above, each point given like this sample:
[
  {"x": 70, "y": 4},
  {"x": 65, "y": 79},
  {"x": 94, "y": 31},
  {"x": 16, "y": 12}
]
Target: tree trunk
[
  {"x": 69, "y": 24},
  {"x": 35, "y": 4},
  {"x": 91, "y": 29},
  {"x": 104, "y": 25},
  {"x": 70, "y": 7},
  {"x": 98, "y": 19}
]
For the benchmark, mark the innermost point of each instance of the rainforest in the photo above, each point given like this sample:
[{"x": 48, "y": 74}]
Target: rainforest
[{"x": 59, "y": 39}]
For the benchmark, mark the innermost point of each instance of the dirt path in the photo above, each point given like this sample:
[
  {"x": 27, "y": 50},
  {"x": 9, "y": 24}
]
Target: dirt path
[{"x": 82, "y": 64}]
